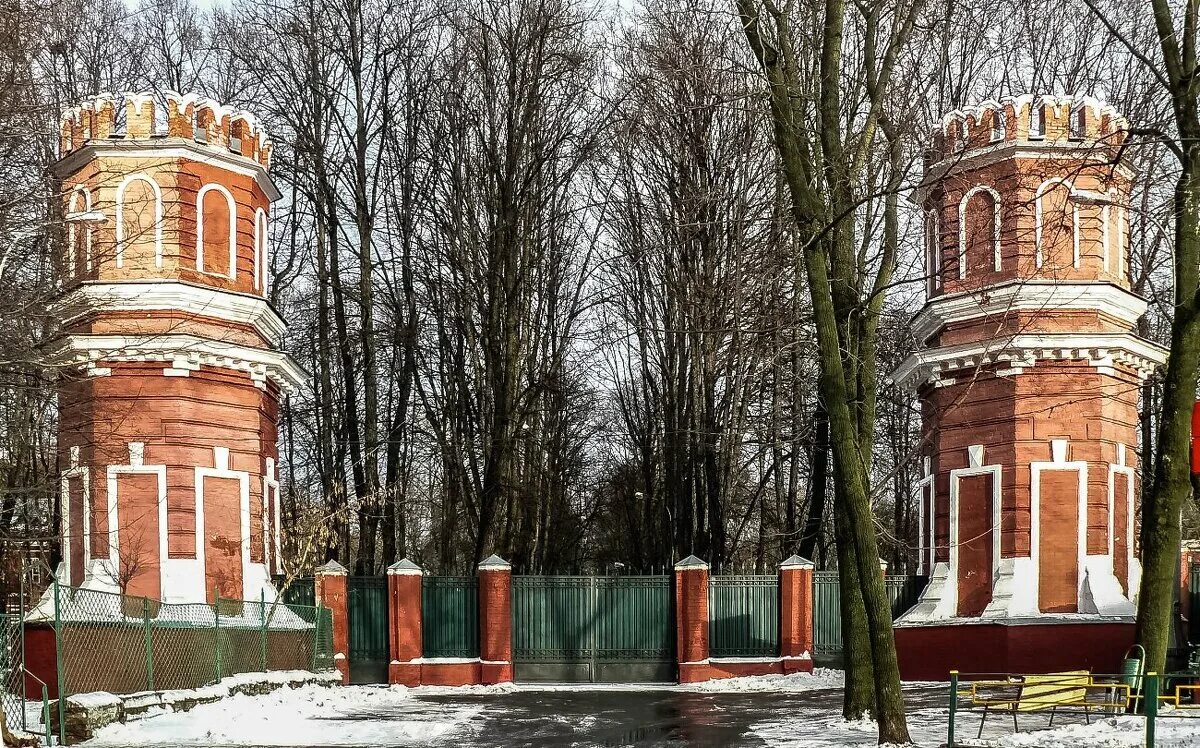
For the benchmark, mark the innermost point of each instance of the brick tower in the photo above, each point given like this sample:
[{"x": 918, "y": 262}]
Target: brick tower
[
  {"x": 1028, "y": 373},
  {"x": 170, "y": 373}
]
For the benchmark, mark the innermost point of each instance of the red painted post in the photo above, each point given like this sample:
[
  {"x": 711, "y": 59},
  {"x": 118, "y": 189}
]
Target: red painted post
[
  {"x": 495, "y": 621},
  {"x": 404, "y": 633},
  {"x": 329, "y": 587},
  {"x": 691, "y": 619},
  {"x": 796, "y": 615}
]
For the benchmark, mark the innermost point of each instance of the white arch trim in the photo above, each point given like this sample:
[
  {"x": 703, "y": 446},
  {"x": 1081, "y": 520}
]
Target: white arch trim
[
  {"x": 72, "y": 226},
  {"x": 962, "y": 227},
  {"x": 1120, "y": 467},
  {"x": 1042, "y": 189},
  {"x": 1059, "y": 460},
  {"x": 260, "y": 250},
  {"x": 136, "y": 466},
  {"x": 975, "y": 457},
  {"x": 232, "y": 227},
  {"x": 158, "y": 218}
]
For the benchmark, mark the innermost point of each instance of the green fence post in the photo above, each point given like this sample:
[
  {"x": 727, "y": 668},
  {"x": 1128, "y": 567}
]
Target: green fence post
[
  {"x": 58, "y": 664},
  {"x": 45, "y": 714},
  {"x": 149, "y": 644},
  {"x": 1151, "y": 703},
  {"x": 217, "y": 633},
  {"x": 262, "y": 632},
  {"x": 316, "y": 638},
  {"x": 953, "y": 707}
]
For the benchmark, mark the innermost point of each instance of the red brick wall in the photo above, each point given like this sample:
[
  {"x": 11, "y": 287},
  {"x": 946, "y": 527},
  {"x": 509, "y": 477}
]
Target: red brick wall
[{"x": 180, "y": 420}]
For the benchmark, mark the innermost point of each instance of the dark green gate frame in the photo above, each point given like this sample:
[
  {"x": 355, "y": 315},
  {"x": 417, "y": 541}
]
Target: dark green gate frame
[
  {"x": 367, "y": 610},
  {"x": 598, "y": 629}
]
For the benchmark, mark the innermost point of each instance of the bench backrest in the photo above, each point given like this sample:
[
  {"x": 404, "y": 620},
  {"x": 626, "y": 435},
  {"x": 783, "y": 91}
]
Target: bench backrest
[{"x": 1047, "y": 691}]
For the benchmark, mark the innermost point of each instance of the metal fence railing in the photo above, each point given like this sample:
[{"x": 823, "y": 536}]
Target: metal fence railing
[
  {"x": 1193, "y": 603},
  {"x": 450, "y": 616},
  {"x": 120, "y": 644},
  {"x": 743, "y": 616},
  {"x": 902, "y": 590}
]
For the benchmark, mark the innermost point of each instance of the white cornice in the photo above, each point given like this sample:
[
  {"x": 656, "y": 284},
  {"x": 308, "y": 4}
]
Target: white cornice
[
  {"x": 1026, "y": 296},
  {"x": 1017, "y": 353},
  {"x": 183, "y": 353},
  {"x": 167, "y": 149},
  {"x": 167, "y": 295}
]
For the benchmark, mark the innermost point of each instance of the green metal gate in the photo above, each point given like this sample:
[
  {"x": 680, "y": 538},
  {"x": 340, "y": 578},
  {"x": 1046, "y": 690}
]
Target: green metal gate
[
  {"x": 368, "y": 613},
  {"x": 598, "y": 629},
  {"x": 743, "y": 616},
  {"x": 450, "y": 616}
]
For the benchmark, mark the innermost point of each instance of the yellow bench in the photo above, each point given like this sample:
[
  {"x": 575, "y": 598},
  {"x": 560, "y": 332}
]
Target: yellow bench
[{"x": 1034, "y": 693}]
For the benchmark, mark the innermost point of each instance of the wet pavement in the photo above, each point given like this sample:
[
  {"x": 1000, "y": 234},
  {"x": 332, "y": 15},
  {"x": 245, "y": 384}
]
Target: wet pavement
[{"x": 670, "y": 718}]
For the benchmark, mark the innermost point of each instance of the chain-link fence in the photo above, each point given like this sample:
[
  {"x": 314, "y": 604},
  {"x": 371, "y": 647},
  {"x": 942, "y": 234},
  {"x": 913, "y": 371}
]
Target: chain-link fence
[{"x": 120, "y": 644}]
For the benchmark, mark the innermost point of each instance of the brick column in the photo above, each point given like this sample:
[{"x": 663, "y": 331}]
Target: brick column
[
  {"x": 796, "y": 614},
  {"x": 329, "y": 588},
  {"x": 691, "y": 619},
  {"x": 404, "y": 633},
  {"x": 495, "y": 621}
]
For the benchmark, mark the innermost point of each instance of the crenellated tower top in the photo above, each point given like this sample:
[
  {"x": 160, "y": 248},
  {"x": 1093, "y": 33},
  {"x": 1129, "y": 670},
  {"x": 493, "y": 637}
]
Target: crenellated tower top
[
  {"x": 138, "y": 116},
  {"x": 1044, "y": 120}
]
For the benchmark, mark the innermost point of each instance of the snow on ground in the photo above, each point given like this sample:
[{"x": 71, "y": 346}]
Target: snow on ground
[
  {"x": 794, "y": 711},
  {"x": 818, "y": 679},
  {"x": 310, "y": 715}
]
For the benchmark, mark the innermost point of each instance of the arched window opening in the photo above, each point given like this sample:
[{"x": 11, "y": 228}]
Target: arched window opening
[
  {"x": 1037, "y": 121},
  {"x": 933, "y": 253},
  {"x": 979, "y": 231},
  {"x": 216, "y": 231},
  {"x": 79, "y": 231},
  {"x": 139, "y": 223},
  {"x": 1056, "y": 225},
  {"x": 998, "y": 124},
  {"x": 260, "y": 250}
]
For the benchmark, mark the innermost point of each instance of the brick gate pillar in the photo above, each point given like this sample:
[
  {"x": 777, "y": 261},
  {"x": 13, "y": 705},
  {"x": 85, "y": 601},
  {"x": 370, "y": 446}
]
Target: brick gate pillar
[
  {"x": 329, "y": 589},
  {"x": 691, "y": 619},
  {"x": 495, "y": 621},
  {"x": 404, "y": 631},
  {"x": 796, "y": 614}
]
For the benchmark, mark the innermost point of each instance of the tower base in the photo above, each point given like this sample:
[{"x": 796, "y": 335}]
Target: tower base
[{"x": 1044, "y": 644}]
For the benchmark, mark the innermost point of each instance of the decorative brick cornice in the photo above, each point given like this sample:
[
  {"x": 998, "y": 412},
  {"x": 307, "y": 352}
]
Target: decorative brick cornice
[
  {"x": 1104, "y": 351},
  {"x": 183, "y": 353}
]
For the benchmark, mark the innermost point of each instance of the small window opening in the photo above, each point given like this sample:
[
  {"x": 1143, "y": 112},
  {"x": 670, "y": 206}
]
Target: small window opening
[
  {"x": 1078, "y": 123},
  {"x": 997, "y": 125},
  {"x": 1037, "y": 121}
]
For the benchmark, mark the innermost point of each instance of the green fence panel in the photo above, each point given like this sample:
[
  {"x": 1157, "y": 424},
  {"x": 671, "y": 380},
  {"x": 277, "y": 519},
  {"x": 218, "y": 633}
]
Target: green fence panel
[
  {"x": 367, "y": 611},
  {"x": 450, "y": 616},
  {"x": 743, "y": 616},
  {"x": 634, "y": 620},
  {"x": 903, "y": 592},
  {"x": 552, "y": 618},
  {"x": 109, "y": 642}
]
